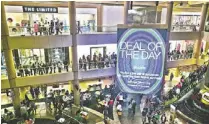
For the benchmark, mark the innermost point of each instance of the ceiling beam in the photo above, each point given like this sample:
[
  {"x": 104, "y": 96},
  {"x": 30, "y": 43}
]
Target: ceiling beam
[{"x": 50, "y": 4}]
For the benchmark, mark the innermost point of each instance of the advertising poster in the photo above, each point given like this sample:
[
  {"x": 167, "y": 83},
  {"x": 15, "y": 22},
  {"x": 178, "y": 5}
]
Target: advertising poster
[{"x": 140, "y": 60}]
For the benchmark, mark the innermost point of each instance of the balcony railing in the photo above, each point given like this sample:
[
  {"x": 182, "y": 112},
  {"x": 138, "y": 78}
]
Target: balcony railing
[
  {"x": 65, "y": 30},
  {"x": 26, "y": 70},
  {"x": 175, "y": 57},
  {"x": 185, "y": 28}
]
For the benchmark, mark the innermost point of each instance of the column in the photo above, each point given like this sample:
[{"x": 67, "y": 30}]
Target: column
[
  {"x": 75, "y": 82},
  {"x": 9, "y": 62},
  {"x": 207, "y": 78},
  {"x": 158, "y": 14},
  {"x": 46, "y": 55},
  {"x": 169, "y": 16},
  {"x": 23, "y": 91},
  {"x": 126, "y": 8},
  {"x": 99, "y": 18},
  {"x": 177, "y": 72},
  {"x": 169, "y": 23},
  {"x": 202, "y": 24}
]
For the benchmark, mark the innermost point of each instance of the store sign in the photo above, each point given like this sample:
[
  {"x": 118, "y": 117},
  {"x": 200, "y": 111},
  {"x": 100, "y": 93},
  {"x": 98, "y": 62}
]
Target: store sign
[
  {"x": 40, "y": 9},
  {"x": 140, "y": 61}
]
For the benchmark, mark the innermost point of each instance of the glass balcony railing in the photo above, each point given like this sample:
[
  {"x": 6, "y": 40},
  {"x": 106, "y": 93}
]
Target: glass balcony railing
[
  {"x": 175, "y": 57},
  {"x": 58, "y": 68},
  {"x": 206, "y": 28},
  {"x": 185, "y": 28},
  {"x": 65, "y": 30}
]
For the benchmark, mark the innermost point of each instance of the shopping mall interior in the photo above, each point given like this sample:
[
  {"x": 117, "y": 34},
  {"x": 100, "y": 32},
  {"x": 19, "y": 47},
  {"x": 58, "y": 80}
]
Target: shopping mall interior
[{"x": 104, "y": 62}]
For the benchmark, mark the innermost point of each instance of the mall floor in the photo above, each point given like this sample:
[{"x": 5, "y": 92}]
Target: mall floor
[{"x": 41, "y": 109}]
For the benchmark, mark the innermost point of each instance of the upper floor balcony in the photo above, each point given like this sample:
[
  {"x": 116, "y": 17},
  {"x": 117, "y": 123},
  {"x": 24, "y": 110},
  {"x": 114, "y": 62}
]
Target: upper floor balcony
[
  {"x": 26, "y": 38},
  {"x": 92, "y": 70}
]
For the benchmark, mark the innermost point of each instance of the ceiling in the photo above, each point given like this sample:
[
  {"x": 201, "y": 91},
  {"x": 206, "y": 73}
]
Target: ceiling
[{"x": 114, "y": 3}]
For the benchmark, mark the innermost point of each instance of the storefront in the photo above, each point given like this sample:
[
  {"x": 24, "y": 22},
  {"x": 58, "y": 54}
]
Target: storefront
[
  {"x": 25, "y": 56},
  {"x": 105, "y": 49},
  {"x": 25, "y": 15},
  {"x": 3, "y": 66},
  {"x": 187, "y": 21},
  {"x": 181, "y": 45}
]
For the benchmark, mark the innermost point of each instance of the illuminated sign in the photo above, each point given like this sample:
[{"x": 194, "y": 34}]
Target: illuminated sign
[
  {"x": 40, "y": 9},
  {"x": 141, "y": 56}
]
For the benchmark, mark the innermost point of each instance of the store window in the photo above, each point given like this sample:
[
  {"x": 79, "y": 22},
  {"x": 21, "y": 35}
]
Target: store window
[
  {"x": 21, "y": 22},
  {"x": 186, "y": 21},
  {"x": 147, "y": 15},
  {"x": 181, "y": 45},
  {"x": 105, "y": 49},
  {"x": 25, "y": 57},
  {"x": 3, "y": 66},
  {"x": 207, "y": 22}
]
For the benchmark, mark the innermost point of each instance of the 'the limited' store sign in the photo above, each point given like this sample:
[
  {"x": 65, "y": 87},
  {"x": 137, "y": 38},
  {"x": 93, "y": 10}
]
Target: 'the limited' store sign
[{"x": 40, "y": 9}]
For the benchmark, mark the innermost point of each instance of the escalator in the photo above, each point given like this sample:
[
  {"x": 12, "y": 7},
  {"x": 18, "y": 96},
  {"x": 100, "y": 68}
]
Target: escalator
[
  {"x": 189, "y": 86},
  {"x": 188, "y": 108}
]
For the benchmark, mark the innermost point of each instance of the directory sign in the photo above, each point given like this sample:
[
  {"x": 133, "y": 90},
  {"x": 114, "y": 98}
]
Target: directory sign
[{"x": 140, "y": 59}]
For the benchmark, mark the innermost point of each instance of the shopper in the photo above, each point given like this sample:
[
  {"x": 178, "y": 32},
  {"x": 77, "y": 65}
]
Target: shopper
[
  {"x": 47, "y": 28},
  {"x": 40, "y": 28},
  {"x": 129, "y": 109},
  {"x": 66, "y": 65},
  {"x": 171, "y": 77},
  {"x": 36, "y": 27},
  {"x": 51, "y": 27},
  {"x": 84, "y": 62},
  {"x": 54, "y": 65},
  {"x": 119, "y": 110},
  {"x": 89, "y": 61},
  {"x": 79, "y": 27},
  {"x": 21, "y": 71},
  {"x": 163, "y": 119},
  {"x": 105, "y": 113},
  {"x": 32, "y": 92},
  {"x": 57, "y": 27},
  {"x": 80, "y": 63},
  {"x": 27, "y": 72},
  {"x": 47, "y": 67},
  {"x": 31, "y": 69},
  {"x": 144, "y": 116},
  {"x": 59, "y": 67},
  {"x": 95, "y": 60},
  {"x": 149, "y": 116},
  {"x": 134, "y": 107}
]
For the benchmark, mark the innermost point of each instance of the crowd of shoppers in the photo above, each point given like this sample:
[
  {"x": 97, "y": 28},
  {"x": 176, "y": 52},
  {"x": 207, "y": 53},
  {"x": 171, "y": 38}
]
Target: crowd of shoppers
[
  {"x": 40, "y": 68},
  {"x": 46, "y": 27},
  {"x": 177, "y": 54},
  {"x": 153, "y": 112},
  {"x": 97, "y": 61}
]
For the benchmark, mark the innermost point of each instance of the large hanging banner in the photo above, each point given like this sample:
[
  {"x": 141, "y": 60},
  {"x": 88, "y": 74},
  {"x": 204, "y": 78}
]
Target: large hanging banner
[{"x": 140, "y": 59}]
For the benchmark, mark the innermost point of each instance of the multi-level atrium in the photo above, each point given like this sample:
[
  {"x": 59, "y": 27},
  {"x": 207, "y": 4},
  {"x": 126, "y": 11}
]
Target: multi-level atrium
[{"x": 111, "y": 62}]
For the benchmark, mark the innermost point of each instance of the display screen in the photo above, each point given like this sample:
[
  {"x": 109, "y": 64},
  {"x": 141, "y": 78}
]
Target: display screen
[{"x": 140, "y": 61}]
